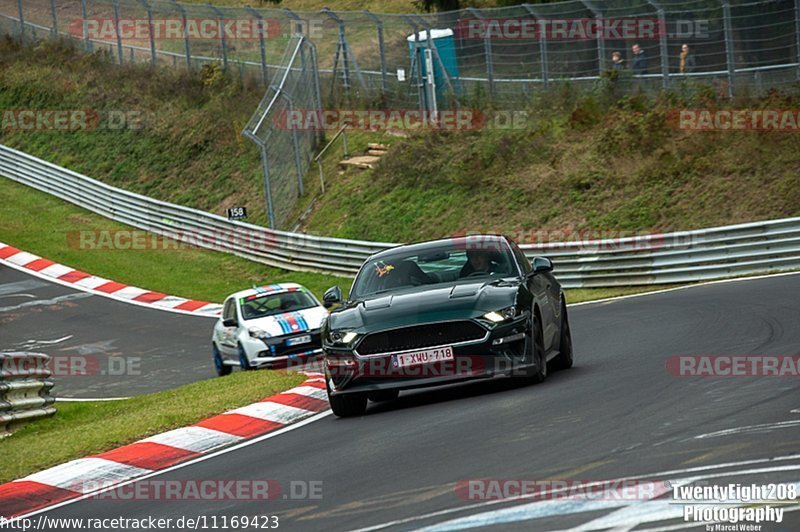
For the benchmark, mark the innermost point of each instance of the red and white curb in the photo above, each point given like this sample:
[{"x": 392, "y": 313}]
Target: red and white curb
[
  {"x": 64, "y": 275},
  {"x": 88, "y": 475}
]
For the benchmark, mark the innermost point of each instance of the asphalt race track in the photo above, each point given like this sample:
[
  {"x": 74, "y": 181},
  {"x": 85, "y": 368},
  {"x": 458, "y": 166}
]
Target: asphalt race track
[
  {"x": 101, "y": 347},
  {"x": 617, "y": 413}
]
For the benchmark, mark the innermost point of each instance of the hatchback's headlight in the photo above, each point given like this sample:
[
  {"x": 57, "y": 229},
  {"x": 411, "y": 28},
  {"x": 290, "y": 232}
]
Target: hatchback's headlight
[
  {"x": 255, "y": 332},
  {"x": 499, "y": 316}
]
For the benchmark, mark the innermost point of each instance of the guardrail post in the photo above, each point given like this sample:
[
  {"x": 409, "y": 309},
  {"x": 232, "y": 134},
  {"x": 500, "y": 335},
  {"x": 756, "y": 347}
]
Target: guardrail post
[
  {"x": 115, "y": 5},
  {"x": 185, "y": 34},
  {"x": 87, "y": 42},
  {"x": 150, "y": 31},
  {"x": 222, "y": 42},
  {"x": 542, "y": 43},
  {"x": 487, "y": 52},
  {"x": 54, "y": 17},
  {"x": 261, "y": 44},
  {"x": 382, "y": 49},
  {"x": 726, "y": 14}
]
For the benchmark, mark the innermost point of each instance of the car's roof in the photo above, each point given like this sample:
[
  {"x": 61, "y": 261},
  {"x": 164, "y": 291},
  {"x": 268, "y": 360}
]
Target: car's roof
[
  {"x": 276, "y": 288},
  {"x": 488, "y": 242}
]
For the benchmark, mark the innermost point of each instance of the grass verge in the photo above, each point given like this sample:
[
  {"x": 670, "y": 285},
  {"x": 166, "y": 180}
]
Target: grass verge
[{"x": 82, "y": 429}]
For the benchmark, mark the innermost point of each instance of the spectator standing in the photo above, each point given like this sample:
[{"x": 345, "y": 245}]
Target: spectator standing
[
  {"x": 639, "y": 60},
  {"x": 687, "y": 60}
]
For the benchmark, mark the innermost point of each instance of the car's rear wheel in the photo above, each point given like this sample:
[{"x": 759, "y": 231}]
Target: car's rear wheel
[
  {"x": 348, "y": 405},
  {"x": 565, "y": 357},
  {"x": 222, "y": 368},
  {"x": 383, "y": 395},
  {"x": 244, "y": 362}
]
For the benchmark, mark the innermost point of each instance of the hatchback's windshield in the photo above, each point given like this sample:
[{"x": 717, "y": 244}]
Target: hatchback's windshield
[
  {"x": 258, "y": 306},
  {"x": 452, "y": 261}
]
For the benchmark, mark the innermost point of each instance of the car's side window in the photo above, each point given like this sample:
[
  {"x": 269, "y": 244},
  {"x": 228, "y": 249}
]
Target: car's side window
[
  {"x": 523, "y": 261},
  {"x": 229, "y": 311}
]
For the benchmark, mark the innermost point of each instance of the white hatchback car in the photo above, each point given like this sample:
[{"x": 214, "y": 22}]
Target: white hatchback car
[{"x": 268, "y": 326}]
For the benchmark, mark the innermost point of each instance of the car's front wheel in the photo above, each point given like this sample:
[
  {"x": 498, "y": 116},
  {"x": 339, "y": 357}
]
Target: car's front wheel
[
  {"x": 222, "y": 368},
  {"x": 534, "y": 345},
  {"x": 565, "y": 356},
  {"x": 348, "y": 405},
  {"x": 244, "y": 362}
]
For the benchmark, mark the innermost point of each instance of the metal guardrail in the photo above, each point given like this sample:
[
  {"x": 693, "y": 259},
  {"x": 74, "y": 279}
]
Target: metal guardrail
[
  {"x": 677, "y": 257},
  {"x": 24, "y": 389}
]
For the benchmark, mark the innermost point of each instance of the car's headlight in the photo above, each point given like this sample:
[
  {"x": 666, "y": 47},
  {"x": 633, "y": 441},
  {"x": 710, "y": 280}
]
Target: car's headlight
[
  {"x": 342, "y": 337},
  {"x": 255, "y": 332},
  {"x": 499, "y": 316}
]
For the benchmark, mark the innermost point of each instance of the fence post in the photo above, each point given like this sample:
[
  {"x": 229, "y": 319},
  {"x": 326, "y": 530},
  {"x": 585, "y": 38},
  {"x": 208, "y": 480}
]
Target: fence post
[
  {"x": 726, "y": 15},
  {"x": 601, "y": 45},
  {"x": 222, "y": 42},
  {"x": 267, "y": 191},
  {"x": 415, "y": 62},
  {"x": 487, "y": 51},
  {"x": 85, "y": 23},
  {"x": 21, "y": 21},
  {"x": 662, "y": 40},
  {"x": 318, "y": 89},
  {"x": 542, "y": 43},
  {"x": 797, "y": 34},
  {"x": 435, "y": 52},
  {"x": 298, "y": 21},
  {"x": 54, "y": 17},
  {"x": 115, "y": 5},
  {"x": 185, "y": 35},
  {"x": 341, "y": 49},
  {"x": 262, "y": 46},
  {"x": 150, "y": 31},
  {"x": 295, "y": 148},
  {"x": 382, "y": 49}
]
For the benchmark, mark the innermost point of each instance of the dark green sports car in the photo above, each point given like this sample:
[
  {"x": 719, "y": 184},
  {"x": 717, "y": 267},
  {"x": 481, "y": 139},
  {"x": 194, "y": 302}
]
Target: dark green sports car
[{"x": 440, "y": 312}]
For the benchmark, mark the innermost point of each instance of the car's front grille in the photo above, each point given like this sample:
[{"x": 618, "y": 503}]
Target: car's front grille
[{"x": 420, "y": 337}]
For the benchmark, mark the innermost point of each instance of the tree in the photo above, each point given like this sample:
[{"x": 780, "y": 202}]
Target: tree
[{"x": 437, "y": 5}]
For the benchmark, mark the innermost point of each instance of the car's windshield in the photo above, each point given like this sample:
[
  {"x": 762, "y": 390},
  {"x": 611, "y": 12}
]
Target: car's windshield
[
  {"x": 260, "y": 305},
  {"x": 453, "y": 260}
]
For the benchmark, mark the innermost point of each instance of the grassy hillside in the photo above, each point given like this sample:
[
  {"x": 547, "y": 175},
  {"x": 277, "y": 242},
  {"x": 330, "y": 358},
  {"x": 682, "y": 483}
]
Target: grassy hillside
[{"x": 595, "y": 162}]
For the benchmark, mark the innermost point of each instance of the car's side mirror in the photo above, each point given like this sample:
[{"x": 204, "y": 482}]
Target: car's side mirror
[
  {"x": 230, "y": 322},
  {"x": 542, "y": 264},
  {"x": 332, "y": 296}
]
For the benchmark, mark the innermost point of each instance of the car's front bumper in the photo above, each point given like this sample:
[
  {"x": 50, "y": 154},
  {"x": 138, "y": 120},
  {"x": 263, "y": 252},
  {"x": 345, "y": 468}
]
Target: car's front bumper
[{"x": 501, "y": 352}]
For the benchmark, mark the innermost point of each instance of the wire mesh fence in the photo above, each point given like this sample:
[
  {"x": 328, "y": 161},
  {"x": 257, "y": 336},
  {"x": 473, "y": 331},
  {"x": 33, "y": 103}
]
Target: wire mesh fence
[
  {"x": 287, "y": 151},
  {"x": 498, "y": 54}
]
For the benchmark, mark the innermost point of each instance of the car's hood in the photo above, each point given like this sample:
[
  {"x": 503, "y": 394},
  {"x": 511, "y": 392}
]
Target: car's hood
[
  {"x": 290, "y": 322},
  {"x": 441, "y": 302}
]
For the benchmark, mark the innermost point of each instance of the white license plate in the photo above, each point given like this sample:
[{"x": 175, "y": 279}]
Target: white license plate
[
  {"x": 422, "y": 357},
  {"x": 299, "y": 340}
]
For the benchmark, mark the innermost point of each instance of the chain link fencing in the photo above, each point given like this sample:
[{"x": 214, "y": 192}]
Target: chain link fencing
[{"x": 499, "y": 54}]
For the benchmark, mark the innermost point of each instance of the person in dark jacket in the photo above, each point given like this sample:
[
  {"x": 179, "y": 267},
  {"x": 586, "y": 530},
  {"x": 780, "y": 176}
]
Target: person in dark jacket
[
  {"x": 639, "y": 60},
  {"x": 687, "y": 63},
  {"x": 616, "y": 61}
]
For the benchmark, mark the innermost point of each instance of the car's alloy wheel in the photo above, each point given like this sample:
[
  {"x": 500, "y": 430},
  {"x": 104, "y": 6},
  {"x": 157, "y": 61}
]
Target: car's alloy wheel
[
  {"x": 565, "y": 357},
  {"x": 535, "y": 344},
  {"x": 244, "y": 363},
  {"x": 222, "y": 368},
  {"x": 348, "y": 405}
]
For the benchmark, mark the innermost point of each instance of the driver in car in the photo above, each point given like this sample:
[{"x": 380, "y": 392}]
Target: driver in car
[{"x": 478, "y": 261}]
